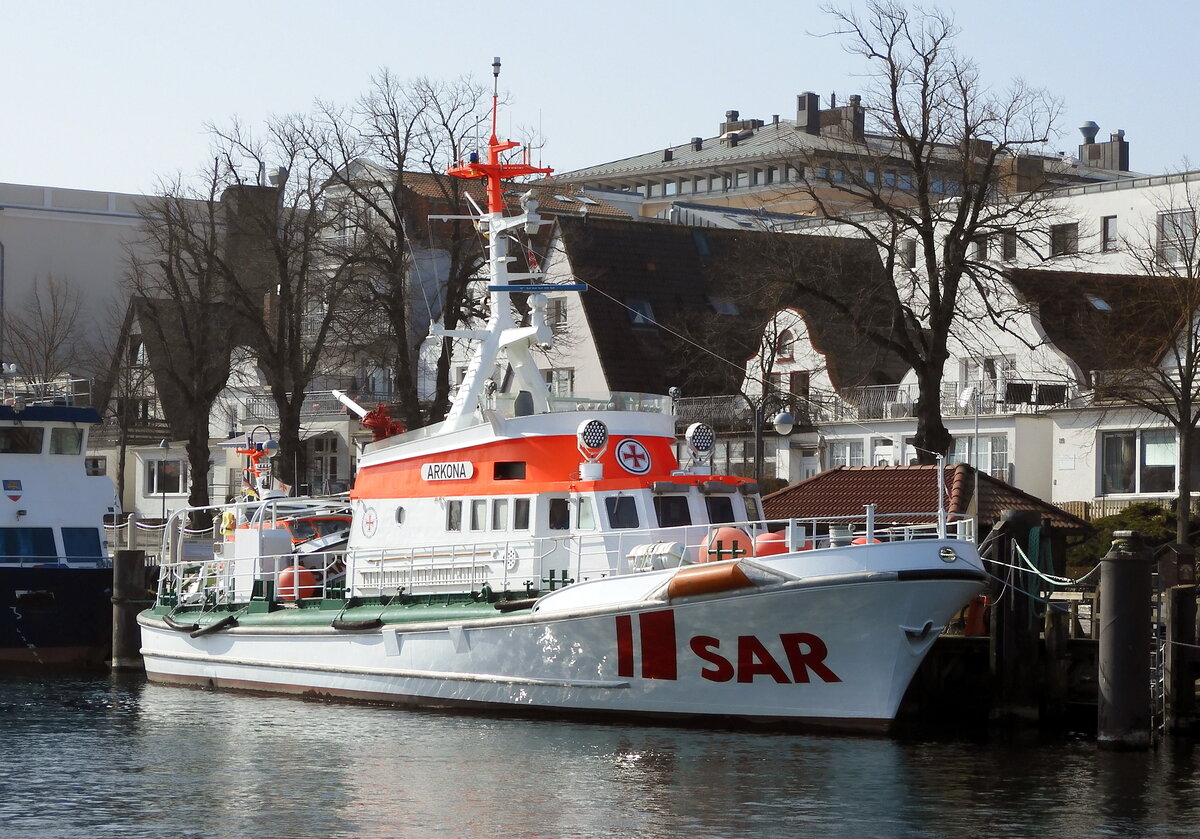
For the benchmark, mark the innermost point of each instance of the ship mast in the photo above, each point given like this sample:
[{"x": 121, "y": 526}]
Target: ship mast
[{"x": 501, "y": 332}]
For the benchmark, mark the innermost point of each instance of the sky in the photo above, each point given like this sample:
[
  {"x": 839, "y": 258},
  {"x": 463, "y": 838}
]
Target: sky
[{"x": 116, "y": 96}]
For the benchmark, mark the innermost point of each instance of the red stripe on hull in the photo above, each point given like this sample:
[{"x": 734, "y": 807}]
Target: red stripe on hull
[{"x": 659, "y": 658}]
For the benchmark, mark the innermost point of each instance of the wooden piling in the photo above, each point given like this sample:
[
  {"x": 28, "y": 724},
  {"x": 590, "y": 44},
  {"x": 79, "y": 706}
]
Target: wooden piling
[
  {"x": 1123, "y": 703},
  {"x": 1179, "y": 673},
  {"x": 1014, "y": 630},
  {"x": 128, "y": 598}
]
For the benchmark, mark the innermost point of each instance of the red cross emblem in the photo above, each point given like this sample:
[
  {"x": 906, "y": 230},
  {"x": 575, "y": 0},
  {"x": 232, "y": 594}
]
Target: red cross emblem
[
  {"x": 370, "y": 521},
  {"x": 633, "y": 457}
]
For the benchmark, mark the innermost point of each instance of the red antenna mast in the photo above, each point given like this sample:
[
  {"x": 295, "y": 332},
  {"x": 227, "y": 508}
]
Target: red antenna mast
[{"x": 495, "y": 170}]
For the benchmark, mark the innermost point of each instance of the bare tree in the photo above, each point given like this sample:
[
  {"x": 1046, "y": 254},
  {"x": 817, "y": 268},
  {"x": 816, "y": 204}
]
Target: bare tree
[
  {"x": 283, "y": 285},
  {"x": 45, "y": 335},
  {"x": 177, "y": 282},
  {"x": 934, "y": 163},
  {"x": 387, "y": 157}
]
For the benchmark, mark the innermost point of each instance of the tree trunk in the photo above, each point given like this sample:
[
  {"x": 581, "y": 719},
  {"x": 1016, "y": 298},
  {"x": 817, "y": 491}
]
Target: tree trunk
[
  {"x": 932, "y": 438},
  {"x": 291, "y": 464},
  {"x": 1183, "y": 516}
]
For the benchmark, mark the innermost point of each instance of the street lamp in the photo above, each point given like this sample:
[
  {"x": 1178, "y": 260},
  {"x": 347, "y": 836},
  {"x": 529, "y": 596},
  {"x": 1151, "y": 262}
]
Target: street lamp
[
  {"x": 259, "y": 473},
  {"x": 164, "y": 448},
  {"x": 783, "y": 423}
]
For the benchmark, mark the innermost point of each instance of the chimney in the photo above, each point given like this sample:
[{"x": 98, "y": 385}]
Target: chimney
[
  {"x": 697, "y": 143},
  {"x": 730, "y": 123},
  {"x": 668, "y": 154},
  {"x": 808, "y": 113},
  {"x": 1113, "y": 155}
]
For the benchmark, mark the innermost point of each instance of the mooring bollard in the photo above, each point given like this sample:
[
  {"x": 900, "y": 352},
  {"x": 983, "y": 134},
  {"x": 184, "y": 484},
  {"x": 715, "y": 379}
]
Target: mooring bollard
[
  {"x": 1123, "y": 701},
  {"x": 128, "y": 598}
]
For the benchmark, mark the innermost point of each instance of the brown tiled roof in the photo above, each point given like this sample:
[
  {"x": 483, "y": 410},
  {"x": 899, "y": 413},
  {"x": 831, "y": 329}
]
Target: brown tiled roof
[
  {"x": 679, "y": 270},
  {"x": 1103, "y": 321},
  {"x": 549, "y": 196},
  {"x": 907, "y": 489}
]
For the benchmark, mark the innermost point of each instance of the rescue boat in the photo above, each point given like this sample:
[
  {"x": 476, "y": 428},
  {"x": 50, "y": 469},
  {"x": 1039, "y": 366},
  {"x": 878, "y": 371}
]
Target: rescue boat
[{"x": 554, "y": 556}]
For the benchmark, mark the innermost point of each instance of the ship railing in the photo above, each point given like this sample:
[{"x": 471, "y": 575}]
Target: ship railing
[
  {"x": 195, "y": 570},
  {"x": 451, "y": 567},
  {"x": 211, "y": 581},
  {"x": 55, "y": 561}
]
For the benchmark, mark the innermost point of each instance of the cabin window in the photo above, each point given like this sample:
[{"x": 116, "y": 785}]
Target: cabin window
[
  {"x": 479, "y": 514},
  {"x": 37, "y": 543},
  {"x": 672, "y": 510},
  {"x": 500, "y": 514},
  {"x": 509, "y": 470},
  {"x": 82, "y": 544},
  {"x": 521, "y": 514},
  {"x": 622, "y": 511},
  {"x": 559, "y": 514},
  {"x": 752, "y": 511},
  {"x": 66, "y": 441},
  {"x": 21, "y": 440},
  {"x": 720, "y": 508},
  {"x": 454, "y": 515},
  {"x": 587, "y": 513}
]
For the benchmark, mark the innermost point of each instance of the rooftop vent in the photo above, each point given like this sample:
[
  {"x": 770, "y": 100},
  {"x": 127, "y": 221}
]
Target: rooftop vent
[
  {"x": 1089, "y": 130},
  {"x": 697, "y": 143}
]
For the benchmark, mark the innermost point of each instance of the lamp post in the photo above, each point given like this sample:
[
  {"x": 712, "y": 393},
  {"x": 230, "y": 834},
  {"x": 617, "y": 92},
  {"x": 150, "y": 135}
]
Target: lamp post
[
  {"x": 164, "y": 449},
  {"x": 783, "y": 424},
  {"x": 256, "y": 452}
]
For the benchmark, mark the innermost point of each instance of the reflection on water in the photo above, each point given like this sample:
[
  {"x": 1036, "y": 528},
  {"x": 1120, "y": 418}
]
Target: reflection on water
[{"x": 87, "y": 757}]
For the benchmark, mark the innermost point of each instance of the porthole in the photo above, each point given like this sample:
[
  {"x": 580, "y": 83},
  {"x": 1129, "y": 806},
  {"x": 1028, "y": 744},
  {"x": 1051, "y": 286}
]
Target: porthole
[{"x": 399, "y": 515}]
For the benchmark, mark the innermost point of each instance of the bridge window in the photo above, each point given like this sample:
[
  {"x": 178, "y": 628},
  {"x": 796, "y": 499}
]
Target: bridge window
[
  {"x": 454, "y": 515},
  {"x": 36, "y": 543},
  {"x": 559, "y": 514},
  {"x": 720, "y": 508},
  {"x": 672, "y": 510},
  {"x": 587, "y": 515},
  {"x": 82, "y": 543},
  {"x": 521, "y": 514},
  {"x": 21, "y": 440},
  {"x": 66, "y": 441},
  {"x": 622, "y": 511}
]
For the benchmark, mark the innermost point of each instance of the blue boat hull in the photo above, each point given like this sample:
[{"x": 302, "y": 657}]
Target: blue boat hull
[{"x": 55, "y": 616}]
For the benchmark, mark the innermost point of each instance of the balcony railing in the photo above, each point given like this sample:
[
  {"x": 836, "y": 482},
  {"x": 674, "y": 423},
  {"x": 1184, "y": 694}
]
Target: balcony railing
[
  {"x": 1012, "y": 396},
  {"x": 320, "y": 403}
]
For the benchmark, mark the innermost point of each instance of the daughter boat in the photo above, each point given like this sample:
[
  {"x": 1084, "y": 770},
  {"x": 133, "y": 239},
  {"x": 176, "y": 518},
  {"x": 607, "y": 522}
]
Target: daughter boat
[{"x": 542, "y": 555}]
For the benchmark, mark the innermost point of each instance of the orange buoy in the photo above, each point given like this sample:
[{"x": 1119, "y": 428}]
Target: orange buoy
[
  {"x": 770, "y": 543},
  {"x": 297, "y": 577},
  {"x": 976, "y": 611},
  {"x": 726, "y": 543},
  {"x": 862, "y": 540}
]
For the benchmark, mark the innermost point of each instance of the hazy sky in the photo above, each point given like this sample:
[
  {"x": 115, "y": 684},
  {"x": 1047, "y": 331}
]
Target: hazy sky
[{"x": 114, "y": 95}]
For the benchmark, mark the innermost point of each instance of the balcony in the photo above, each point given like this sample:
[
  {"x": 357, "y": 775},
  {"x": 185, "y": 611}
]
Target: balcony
[
  {"x": 319, "y": 404},
  {"x": 988, "y": 397}
]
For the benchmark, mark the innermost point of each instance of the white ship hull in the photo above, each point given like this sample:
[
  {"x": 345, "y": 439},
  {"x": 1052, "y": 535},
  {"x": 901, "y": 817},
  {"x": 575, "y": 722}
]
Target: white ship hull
[{"x": 838, "y": 651}]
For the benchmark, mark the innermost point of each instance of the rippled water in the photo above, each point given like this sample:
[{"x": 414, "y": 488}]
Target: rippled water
[{"x": 114, "y": 756}]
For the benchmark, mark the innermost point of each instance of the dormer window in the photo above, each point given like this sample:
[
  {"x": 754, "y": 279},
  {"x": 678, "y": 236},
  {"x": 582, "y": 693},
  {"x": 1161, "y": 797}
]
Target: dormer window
[
  {"x": 785, "y": 346},
  {"x": 640, "y": 313}
]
